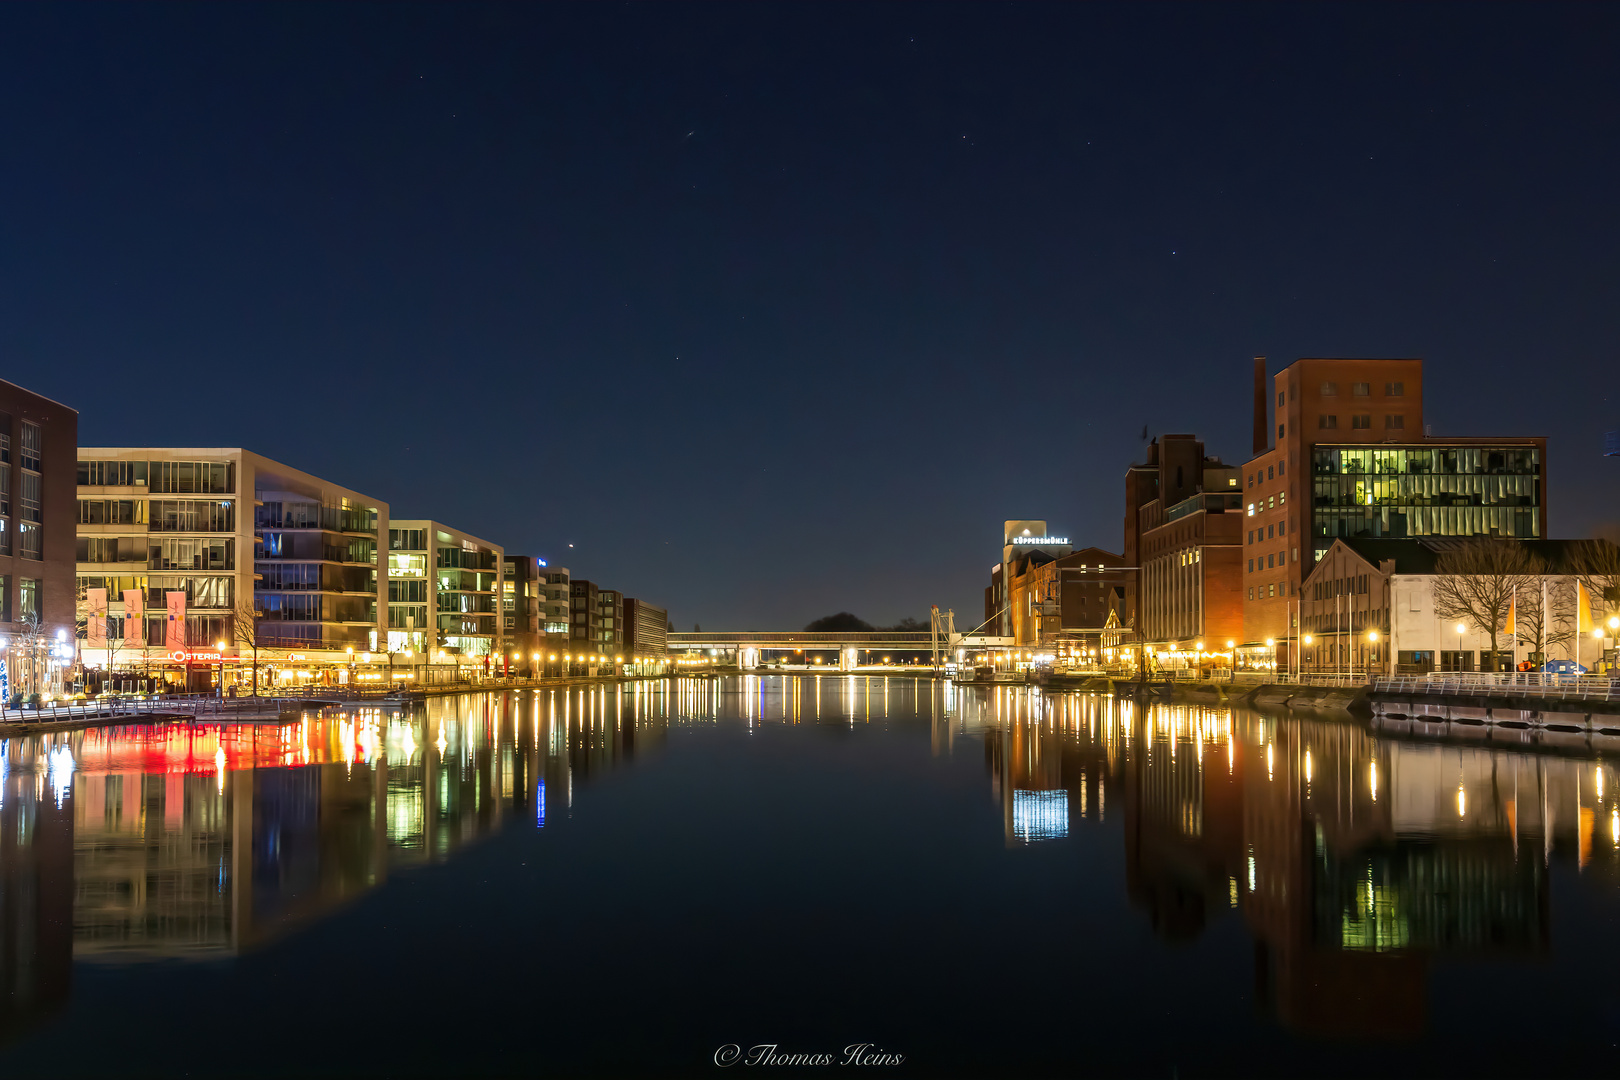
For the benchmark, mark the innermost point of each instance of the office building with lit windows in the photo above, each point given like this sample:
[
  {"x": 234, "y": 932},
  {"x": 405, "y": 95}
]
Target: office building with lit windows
[
  {"x": 1341, "y": 452},
  {"x": 443, "y": 596},
  {"x": 38, "y": 438},
  {"x": 183, "y": 549}
]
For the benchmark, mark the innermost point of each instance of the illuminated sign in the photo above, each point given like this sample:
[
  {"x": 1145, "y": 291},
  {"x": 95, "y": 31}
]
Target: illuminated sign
[
  {"x": 181, "y": 656},
  {"x": 1039, "y": 541},
  {"x": 296, "y": 657}
]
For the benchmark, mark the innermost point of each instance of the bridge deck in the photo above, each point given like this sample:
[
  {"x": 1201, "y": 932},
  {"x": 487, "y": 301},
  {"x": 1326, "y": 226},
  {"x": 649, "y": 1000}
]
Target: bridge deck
[{"x": 802, "y": 639}]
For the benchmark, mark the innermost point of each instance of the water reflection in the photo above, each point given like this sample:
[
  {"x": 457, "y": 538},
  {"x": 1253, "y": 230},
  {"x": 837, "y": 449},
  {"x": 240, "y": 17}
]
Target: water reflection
[
  {"x": 1353, "y": 860},
  {"x": 205, "y": 840}
]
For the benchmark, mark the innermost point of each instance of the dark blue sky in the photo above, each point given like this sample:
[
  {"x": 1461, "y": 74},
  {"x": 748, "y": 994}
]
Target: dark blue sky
[{"x": 775, "y": 311}]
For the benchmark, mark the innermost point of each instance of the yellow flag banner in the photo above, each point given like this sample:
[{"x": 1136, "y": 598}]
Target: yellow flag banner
[
  {"x": 1583, "y": 609},
  {"x": 1513, "y": 608}
]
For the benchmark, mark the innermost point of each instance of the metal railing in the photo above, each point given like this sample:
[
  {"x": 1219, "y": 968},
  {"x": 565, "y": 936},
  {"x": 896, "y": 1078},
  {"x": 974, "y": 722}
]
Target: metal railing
[
  {"x": 1503, "y": 684},
  {"x": 114, "y": 706}
]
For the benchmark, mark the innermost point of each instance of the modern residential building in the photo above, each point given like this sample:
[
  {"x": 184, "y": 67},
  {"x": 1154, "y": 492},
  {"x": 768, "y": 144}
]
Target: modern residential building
[
  {"x": 523, "y": 587},
  {"x": 443, "y": 589},
  {"x": 38, "y": 437},
  {"x": 1370, "y": 602},
  {"x": 1184, "y": 530},
  {"x": 184, "y": 549},
  {"x": 554, "y": 620},
  {"x": 646, "y": 632},
  {"x": 1351, "y": 458}
]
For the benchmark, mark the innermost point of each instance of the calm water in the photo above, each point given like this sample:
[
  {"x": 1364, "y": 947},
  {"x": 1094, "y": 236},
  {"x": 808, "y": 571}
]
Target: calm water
[{"x": 622, "y": 882}]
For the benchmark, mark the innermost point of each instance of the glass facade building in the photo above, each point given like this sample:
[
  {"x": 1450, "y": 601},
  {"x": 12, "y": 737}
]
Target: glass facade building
[{"x": 1430, "y": 489}]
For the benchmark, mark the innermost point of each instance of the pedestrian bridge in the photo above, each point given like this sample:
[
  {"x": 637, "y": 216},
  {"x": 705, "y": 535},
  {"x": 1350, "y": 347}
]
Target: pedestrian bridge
[{"x": 792, "y": 640}]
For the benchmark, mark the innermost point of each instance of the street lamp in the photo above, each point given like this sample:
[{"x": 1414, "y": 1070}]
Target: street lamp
[{"x": 1460, "y": 629}]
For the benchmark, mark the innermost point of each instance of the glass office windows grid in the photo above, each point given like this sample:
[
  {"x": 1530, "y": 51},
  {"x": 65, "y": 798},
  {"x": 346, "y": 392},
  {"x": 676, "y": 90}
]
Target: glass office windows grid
[
  {"x": 407, "y": 565},
  {"x": 192, "y": 515},
  {"x": 31, "y": 497},
  {"x": 112, "y": 473},
  {"x": 112, "y": 512},
  {"x": 1442, "y": 491},
  {"x": 5, "y": 597},
  {"x": 110, "y": 549},
  {"x": 28, "y": 598},
  {"x": 278, "y": 607},
  {"x": 191, "y": 477},
  {"x": 407, "y": 539},
  {"x": 217, "y": 591},
  {"x": 193, "y": 554},
  {"x": 5, "y": 537},
  {"x": 407, "y": 616},
  {"x": 30, "y": 446},
  {"x": 312, "y": 514},
  {"x": 408, "y": 590},
  {"x": 30, "y": 541},
  {"x": 296, "y": 577},
  {"x": 5, "y": 490},
  {"x": 5, "y": 449},
  {"x": 115, "y": 584}
]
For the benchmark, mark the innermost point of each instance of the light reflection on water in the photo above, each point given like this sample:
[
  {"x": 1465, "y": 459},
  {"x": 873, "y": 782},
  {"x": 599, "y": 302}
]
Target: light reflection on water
[{"x": 1354, "y": 862}]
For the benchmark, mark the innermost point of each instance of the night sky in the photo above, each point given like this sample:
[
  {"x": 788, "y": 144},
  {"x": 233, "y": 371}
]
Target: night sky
[{"x": 776, "y": 311}]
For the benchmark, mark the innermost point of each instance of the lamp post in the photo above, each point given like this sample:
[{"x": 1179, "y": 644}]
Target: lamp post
[
  {"x": 1306, "y": 642},
  {"x": 1460, "y": 629},
  {"x": 1372, "y": 639},
  {"x": 220, "y": 678}
]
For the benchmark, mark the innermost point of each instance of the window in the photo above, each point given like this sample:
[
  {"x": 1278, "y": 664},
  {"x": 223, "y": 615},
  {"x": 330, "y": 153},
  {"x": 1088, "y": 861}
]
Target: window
[
  {"x": 1394, "y": 421},
  {"x": 30, "y": 497},
  {"x": 1251, "y": 566},
  {"x": 1361, "y": 421},
  {"x": 1279, "y": 431},
  {"x": 1296, "y": 554},
  {"x": 1251, "y": 536},
  {"x": 28, "y": 542},
  {"x": 1330, "y": 389},
  {"x": 5, "y": 491},
  {"x": 1271, "y": 531},
  {"x": 5, "y": 448},
  {"x": 1251, "y": 592},
  {"x": 1282, "y": 527},
  {"x": 191, "y": 477},
  {"x": 28, "y": 598},
  {"x": 1394, "y": 389},
  {"x": 1271, "y": 590},
  {"x": 112, "y": 473},
  {"x": 30, "y": 446},
  {"x": 1282, "y": 497},
  {"x": 1327, "y": 422},
  {"x": 1360, "y": 389},
  {"x": 187, "y": 515},
  {"x": 1282, "y": 467},
  {"x": 1271, "y": 473},
  {"x": 1271, "y": 562},
  {"x": 1251, "y": 509}
]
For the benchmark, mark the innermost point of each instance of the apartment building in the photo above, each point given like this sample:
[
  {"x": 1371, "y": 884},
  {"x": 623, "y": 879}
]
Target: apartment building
[
  {"x": 523, "y": 587},
  {"x": 190, "y": 558},
  {"x": 444, "y": 589},
  {"x": 38, "y": 438},
  {"x": 646, "y": 631}
]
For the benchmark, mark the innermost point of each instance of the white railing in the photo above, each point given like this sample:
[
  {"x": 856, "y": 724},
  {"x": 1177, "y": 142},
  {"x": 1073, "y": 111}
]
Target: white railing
[{"x": 1503, "y": 684}]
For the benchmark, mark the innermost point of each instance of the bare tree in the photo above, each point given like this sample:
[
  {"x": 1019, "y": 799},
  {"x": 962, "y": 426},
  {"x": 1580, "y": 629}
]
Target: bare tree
[
  {"x": 245, "y": 620},
  {"x": 1596, "y": 565},
  {"x": 1544, "y": 616},
  {"x": 1477, "y": 579}
]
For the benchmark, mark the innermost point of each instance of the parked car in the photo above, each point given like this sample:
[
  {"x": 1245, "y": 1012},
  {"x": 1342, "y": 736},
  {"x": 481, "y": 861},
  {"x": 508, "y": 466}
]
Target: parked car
[{"x": 1562, "y": 667}]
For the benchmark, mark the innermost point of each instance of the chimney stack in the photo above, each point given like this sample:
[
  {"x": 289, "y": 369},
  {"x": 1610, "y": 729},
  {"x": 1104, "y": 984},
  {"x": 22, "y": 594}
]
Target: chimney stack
[{"x": 1262, "y": 431}]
